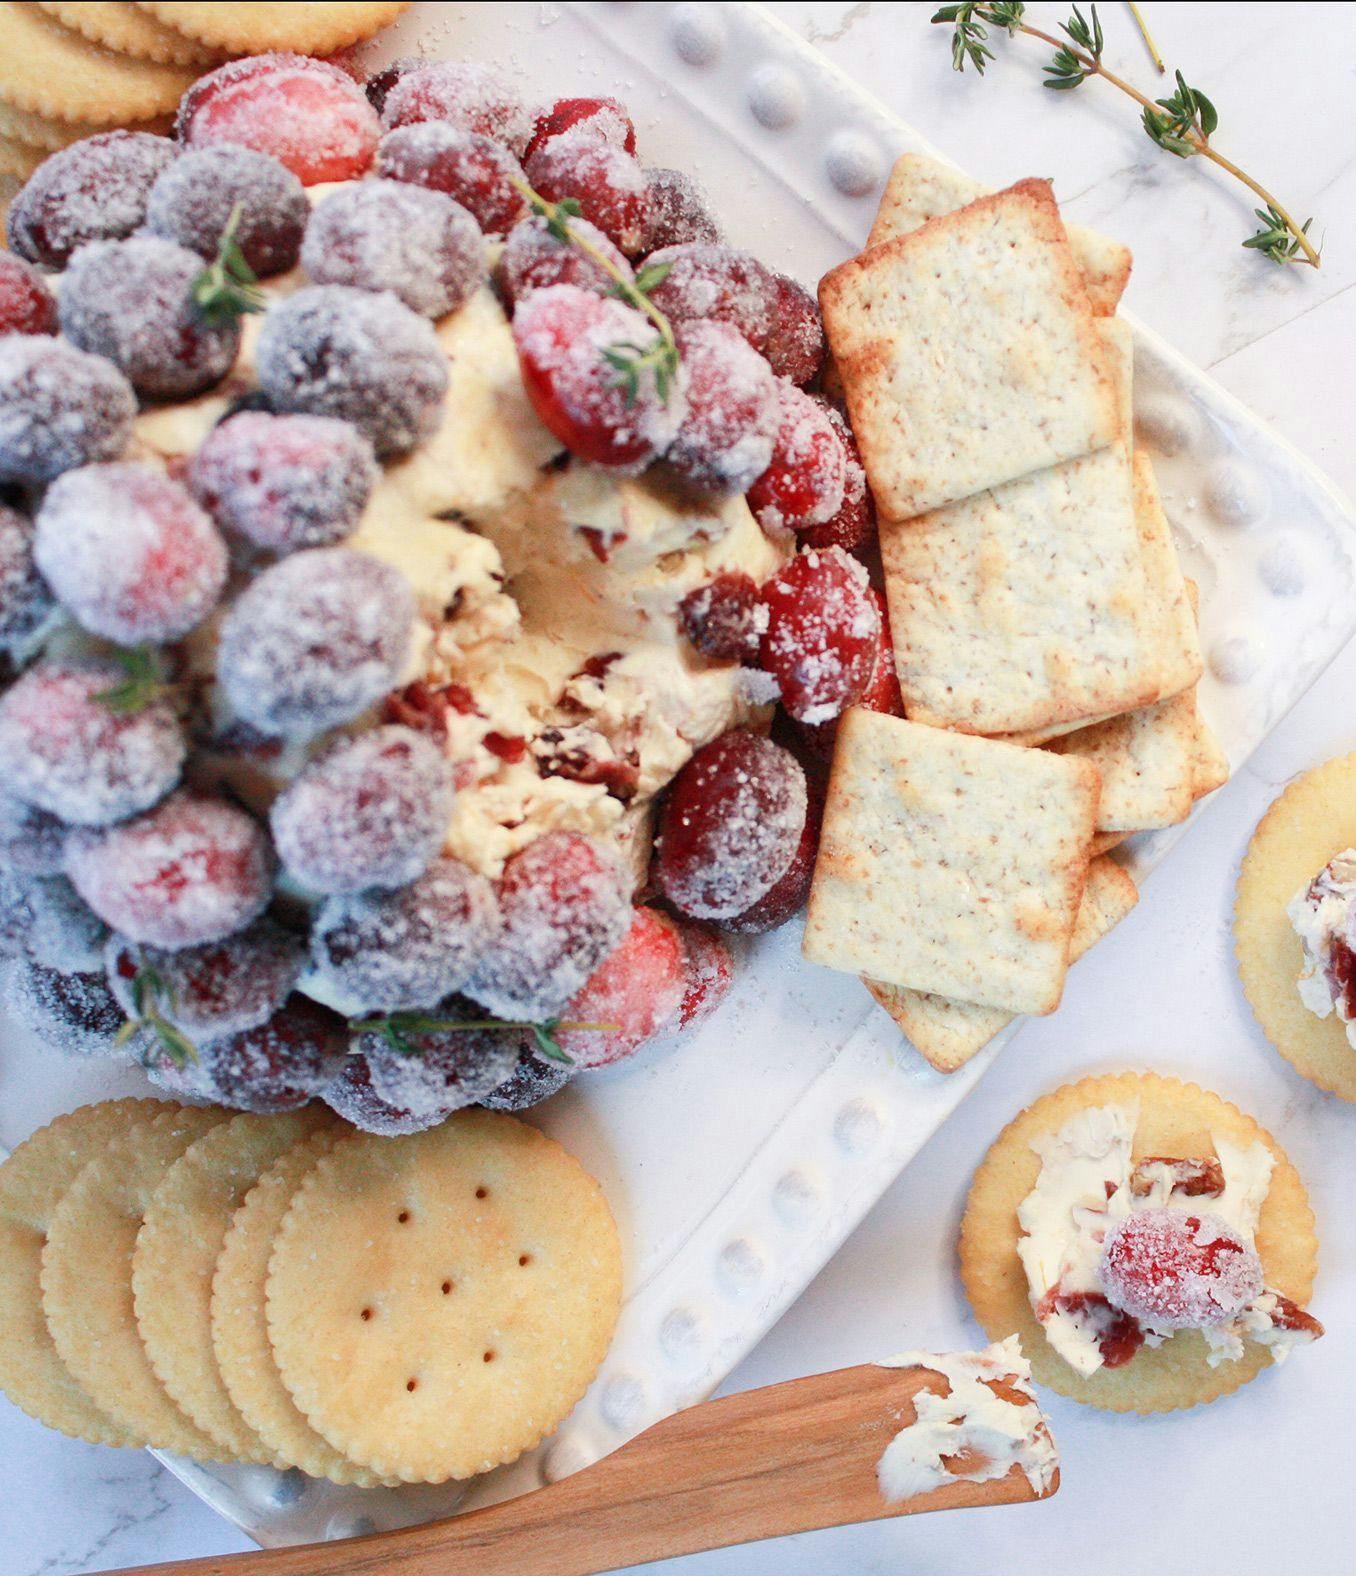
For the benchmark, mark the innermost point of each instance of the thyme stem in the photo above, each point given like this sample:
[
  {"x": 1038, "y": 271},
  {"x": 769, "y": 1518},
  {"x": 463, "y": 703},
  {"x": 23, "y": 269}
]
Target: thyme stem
[{"x": 1147, "y": 36}]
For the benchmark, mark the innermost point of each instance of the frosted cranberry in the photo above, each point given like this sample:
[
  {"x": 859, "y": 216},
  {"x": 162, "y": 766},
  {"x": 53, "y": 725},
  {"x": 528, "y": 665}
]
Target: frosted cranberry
[
  {"x": 64, "y": 751},
  {"x": 472, "y": 96},
  {"x": 27, "y": 306},
  {"x": 678, "y": 210},
  {"x": 93, "y": 190},
  {"x": 795, "y": 342},
  {"x": 733, "y": 409},
  {"x": 32, "y": 841},
  {"x": 563, "y": 336},
  {"x": 709, "y": 281},
  {"x": 223, "y": 987},
  {"x": 193, "y": 870},
  {"x": 371, "y": 811},
  {"x": 424, "y": 1071},
  {"x": 787, "y": 896},
  {"x": 725, "y": 618},
  {"x": 881, "y": 693},
  {"x": 531, "y": 1081},
  {"x": 15, "y": 914},
  {"x": 855, "y": 523},
  {"x": 1177, "y": 1271},
  {"x": 53, "y": 925},
  {"x": 58, "y": 408},
  {"x": 356, "y": 354},
  {"x": 193, "y": 200},
  {"x": 823, "y": 633},
  {"x": 708, "y": 973},
  {"x": 473, "y": 170},
  {"x": 637, "y": 990},
  {"x": 534, "y": 259},
  {"x": 607, "y": 183},
  {"x": 307, "y": 114},
  {"x": 805, "y": 482},
  {"x": 391, "y": 951},
  {"x": 129, "y": 553},
  {"x": 380, "y": 83},
  {"x": 595, "y": 119},
  {"x": 564, "y": 907},
  {"x": 730, "y": 825},
  {"x": 352, "y": 1096},
  {"x": 73, "y": 1013},
  {"x": 281, "y": 1064},
  {"x": 315, "y": 640},
  {"x": 25, "y": 600},
  {"x": 285, "y": 482},
  {"x": 132, "y": 302},
  {"x": 383, "y": 235}
]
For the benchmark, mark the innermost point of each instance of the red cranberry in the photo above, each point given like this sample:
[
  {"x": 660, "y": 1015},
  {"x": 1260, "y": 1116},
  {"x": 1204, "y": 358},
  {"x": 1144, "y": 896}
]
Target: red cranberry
[
  {"x": 608, "y": 185},
  {"x": 725, "y": 618},
  {"x": 46, "y": 920},
  {"x": 27, "y": 306},
  {"x": 532, "y": 1081},
  {"x": 25, "y": 600},
  {"x": 472, "y": 96},
  {"x": 708, "y": 281},
  {"x": 795, "y": 343},
  {"x": 279, "y": 1065},
  {"x": 603, "y": 119},
  {"x": 805, "y": 483},
  {"x": 380, "y": 83},
  {"x": 58, "y": 408},
  {"x": 473, "y": 170},
  {"x": 854, "y": 526},
  {"x": 193, "y": 200},
  {"x": 534, "y": 259},
  {"x": 787, "y": 896},
  {"x": 32, "y": 841},
  {"x": 708, "y": 973},
  {"x": 678, "y": 209},
  {"x": 352, "y": 1096},
  {"x": 733, "y": 410},
  {"x": 1172, "y": 1270},
  {"x": 881, "y": 694},
  {"x": 637, "y": 989},
  {"x": 435, "y": 1071},
  {"x": 73, "y": 1013},
  {"x": 823, "y": 633}
]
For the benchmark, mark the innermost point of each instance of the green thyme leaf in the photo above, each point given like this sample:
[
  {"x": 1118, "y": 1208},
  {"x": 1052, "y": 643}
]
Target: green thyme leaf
[
  {"x": 228, "y": 287},
  {"x": 650, "y": 277},
  {"x": 142, "y": 686}
]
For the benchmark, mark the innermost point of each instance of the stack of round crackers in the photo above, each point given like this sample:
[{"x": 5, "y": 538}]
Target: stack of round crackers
[{"x": 286, "y": 1291}]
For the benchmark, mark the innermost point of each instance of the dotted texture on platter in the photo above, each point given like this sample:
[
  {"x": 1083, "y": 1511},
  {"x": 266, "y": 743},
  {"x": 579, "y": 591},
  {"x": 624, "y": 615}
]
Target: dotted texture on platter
[
  {"x": 1174, "y": 1119},
  {"x": 1312, "y": 820},
  {"x": 248, "y": 27},
  {"x": 438, "y": 1303},
  {"x": 129, "y": 30}
]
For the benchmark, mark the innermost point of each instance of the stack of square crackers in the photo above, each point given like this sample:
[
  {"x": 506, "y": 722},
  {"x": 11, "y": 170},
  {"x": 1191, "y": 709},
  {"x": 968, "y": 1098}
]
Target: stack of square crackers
[{"x": 1044, "y": 633}]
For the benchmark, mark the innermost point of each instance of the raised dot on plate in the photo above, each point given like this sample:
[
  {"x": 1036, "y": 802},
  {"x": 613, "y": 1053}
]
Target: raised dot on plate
[
  {"x": 857, "y": 1127},
  {"x": 346, "y": 1525},
  {"x": 681, "y": 1334},
  {"x": 697, "y": 33},
  {"x": 795, "y": 1198},
  {"x": 1236, "y": 494},
  {"x": 622, "y": 1399},
  {"x": 775, "y": 97},
  {"x": 567, "y": 1456},
  {"x": 1283, "y": 565},
  {"x": 1235, "y": 658},
  {"x": 1167, "y": 424},
  {"x": 741, "y": 1265},
  {"x": 854, "y": 163}
]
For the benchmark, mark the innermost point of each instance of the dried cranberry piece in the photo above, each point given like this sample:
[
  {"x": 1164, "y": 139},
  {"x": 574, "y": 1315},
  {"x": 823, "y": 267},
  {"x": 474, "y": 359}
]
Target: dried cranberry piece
[
  {"x": 1342, "y": 966},
  {"x": 1119, "y": 1336},
  {"x": 725, "y": 618},
  {"x": 27, "y": 306},
  {"x": 823, "y": 633},
  {"x": 637, "y": 989},
  {"x": 1178, "y": 1271},
  {"x": 475, "y": 171},
  {"x": 193, "y": 200},
  {"x": 583, "y": 755}
]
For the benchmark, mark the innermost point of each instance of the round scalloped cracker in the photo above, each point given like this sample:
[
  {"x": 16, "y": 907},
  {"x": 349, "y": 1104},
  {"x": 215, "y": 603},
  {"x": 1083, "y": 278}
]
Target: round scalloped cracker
[
  {"x": 1312, "y": 820},
  {"x": 32, "y": 1183},
  {"x": 176, "y": 1256},
  {"x": 19, "y": 159},
  {"x": 87, "y": 1278},
  {"x": 49, "y": 70},
  {"x": 130, "y": 30},
  {"x": 240, "y": 1327},
  {"x": 438, "y": 1303},
  {"x": 248, "y": 27},
  {"x": 1174, "y": 1119}
]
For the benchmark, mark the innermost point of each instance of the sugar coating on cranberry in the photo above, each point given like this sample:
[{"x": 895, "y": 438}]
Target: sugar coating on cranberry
[
  {"x": 385, "y": 235},
  {"x": 855, "y": 523},
  {"x": 1177, "y": 1271},
  {"x": 679, "y": 213},
  {"x": 823, "y": 633},
  {"x": 607, "y": 183},
  {"x": 534, "y": 259},
  {"x": 393, "y": 951},
  {"x": 733, "y": 409},
  {"x": 61, "y": 931},
  {"x": 73, "y": 1013},
  {"x": 805, "y": 481},
  {"x": 372, "y": 811},
  {"x": 424, "y": 1071},
  {"x": 220, "y": 988},
  {"x": 360, "y": 355},
  {"x": 600, "y": 119},
  {"x": 531, "y": 1081},
  {"x": 787, "y": 895},
  {"x": 193, "y": 201},
  {"x": 285, "y": 482},
  {"x": 94, "y": 190},
  {"x": 564, "y": 906},
  {"x": 315, "y": 640},
  {"x": 730, "y": 825},
  {"x": 129, "y": 553},
  {"x": 565, "y": 337},
  {"x": 193, "y": 870},
  {"x": 32, "y": 841},
  {"x": 307, "y": 114},
  {"x": 65, "y": 751},
  {"x": 132, "y": 303},
  {"x": 725, "y": 618},
  {"x": 636, "y": 991},
  {"x": 279, "y": 1065},
  {"x": 475, "y": 171},
  {"x": 881, "y": 694},
  {"x": 380, "y": 83},
  {"x": 352, "y": 1096},
  {"x": 25, "y": 598},
  {"x": 27, "y": 306},
  {"x": 467, "y": 94},
  {"x": 795, "y": 341},
  {"x": 708, "y": 973},
  {"x": 59, "y": 408},
  {"x": 712, "y": 281}
]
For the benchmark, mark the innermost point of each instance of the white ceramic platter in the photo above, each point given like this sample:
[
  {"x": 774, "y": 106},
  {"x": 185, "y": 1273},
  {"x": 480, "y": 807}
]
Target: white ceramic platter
[{"x": 739, "y": 1161}]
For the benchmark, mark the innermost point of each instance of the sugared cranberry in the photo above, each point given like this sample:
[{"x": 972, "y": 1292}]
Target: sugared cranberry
[
  {"x": 285, "y": 482},
  {"x": 383, "y": 235},
  {"x": 428, "y": 1071},
  {"x": 795, "y": 342},
  {"x": 636, "y": 990},
  {"x": 564, "y": 337},
  {"x": 1177, "y": 1271},
  {"x": 193, "y": 200},
  {"x": 371, "y": 811},
  {"x": 25, "y": 599},
  {"x": 678, "y": 210},
  {"x": 600, "y": 119},
  {"x": 708, "y": 973},
  {"x": 61, "y": 930},
  {"x": 27, "y": 306},
  {"x": 805, "y": 481},
  {"x": 787, "y": 896},
  {"x": 534, "y": 259},
  {"x": 733, "y": 409},
  {"x": 93, "y": 190},
  {"x": 531, "y": 1081},
  {"x": 607, "y": 183},
  {"x": 855, "y": 523},
  {"x": 711, "y": 281},
  {"x": 725, "y": 618},
  {"x": 380, "y": 83},
  {"x": 280, "y": 1065},
  {"x": 58, "y": 408},
  {"x": 63, "y": 750},
  {"x": 129, "y": 553},
  {"x": 564, "y": 907},
  {"x": 475, "y": 171},
  {"x": 73, "y": 1013},
  {"x": 32, "y": 841},
  {"x": 132, "y": 302},
  {"x": 472, "y": 96},
  {"x": 730, "y": 826},
  {"x": 352, "y": 1096},
  {"x": 881, "y": 693},
  {"x": 193, "y": 870},
  {"x": 823, "y": 633},
  {"x": 391, "y": 951},
  {"x": 359, "y": 355},
  {"x": 307, "y": 114}
]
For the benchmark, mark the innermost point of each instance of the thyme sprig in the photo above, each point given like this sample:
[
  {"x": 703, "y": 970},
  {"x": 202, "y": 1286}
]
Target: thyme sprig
[
  {"x": 403, "y": 1030},
  {"x": 228, "y": 287},
  {"x": 1181, "y": 124},
  {"x": 142, "y": 685},
  {"x": 152, "y": 998}
]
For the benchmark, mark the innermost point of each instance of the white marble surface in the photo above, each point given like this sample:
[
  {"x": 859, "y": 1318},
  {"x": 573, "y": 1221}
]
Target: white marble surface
[{"x": 1256, "y": 1481}]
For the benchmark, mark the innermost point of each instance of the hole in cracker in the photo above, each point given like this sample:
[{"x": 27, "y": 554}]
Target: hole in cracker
[
  {"x": 489, "y": 1357},
  {"x": 482, "y": 1192},
  {"x": 447, "y": 1288},
  {"x": 411, "y": 1385},
  {"x": 403, "y": 1218},
  {"x": 524, "y": 1259},
  {"x": 365, "y": 1314}
]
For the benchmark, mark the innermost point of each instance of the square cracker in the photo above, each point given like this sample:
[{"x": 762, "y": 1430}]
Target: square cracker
[
  {"x": 950, "y": 864},
  {"x": 922, "y": 188},
  {"x": 1178, "y": 638},
  {"x": 948, "y": 1033},
  {"x": 968, "y": 352},
  {"x": 1146, "y": 759}
]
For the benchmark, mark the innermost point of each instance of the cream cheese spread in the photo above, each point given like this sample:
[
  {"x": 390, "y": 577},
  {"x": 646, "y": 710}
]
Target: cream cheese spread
[{"x": 1323, "y": 913}]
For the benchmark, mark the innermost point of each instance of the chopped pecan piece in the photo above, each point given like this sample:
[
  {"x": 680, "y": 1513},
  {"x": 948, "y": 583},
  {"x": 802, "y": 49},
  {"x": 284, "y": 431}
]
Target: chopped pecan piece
[
  {"x": 1196, "y": 1176},
  {"x": 1288, "y": 1315}
]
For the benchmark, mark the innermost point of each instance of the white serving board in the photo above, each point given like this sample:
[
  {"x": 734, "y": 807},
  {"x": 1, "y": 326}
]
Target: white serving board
[{"x": 738, "y": 1160}]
